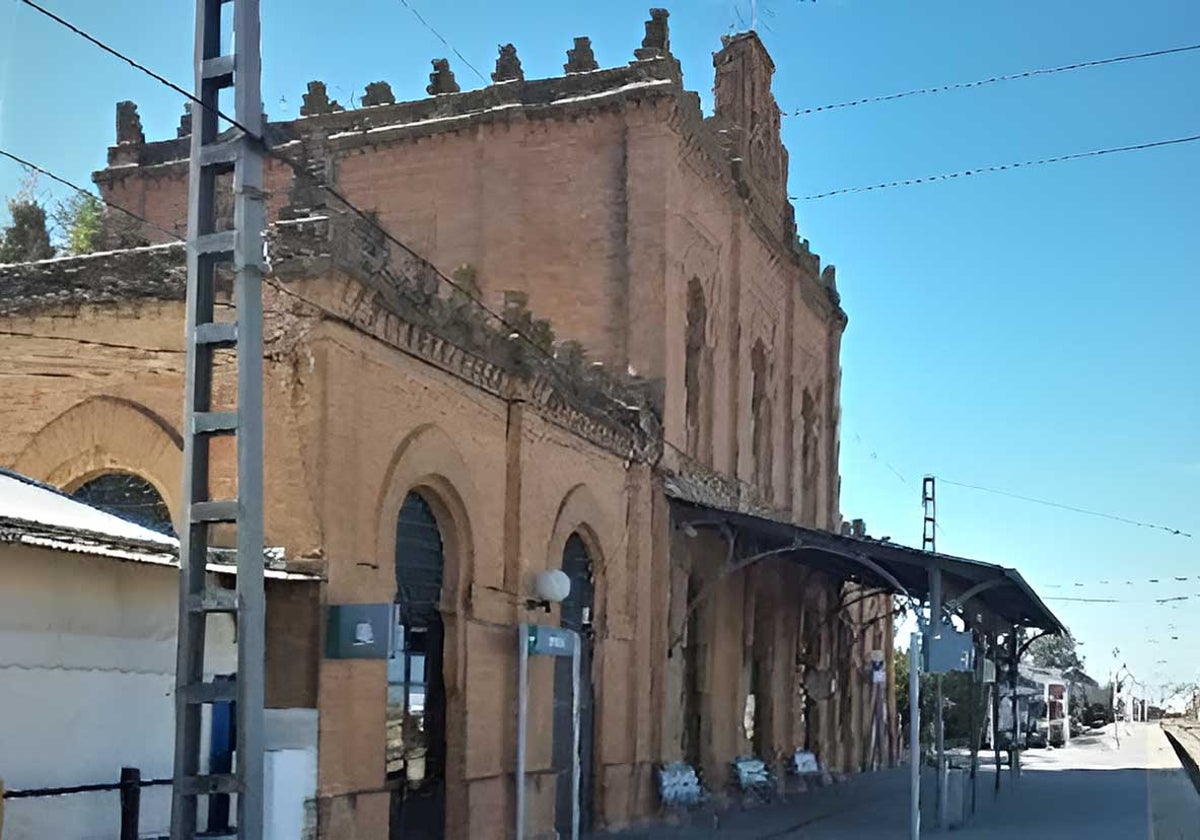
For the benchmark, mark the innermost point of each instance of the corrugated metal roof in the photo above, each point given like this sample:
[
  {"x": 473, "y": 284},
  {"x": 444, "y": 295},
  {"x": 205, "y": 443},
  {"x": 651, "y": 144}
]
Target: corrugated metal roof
[
  {"x": 1007, "y": 596},
  {"x": 42, "y": 516},
  {"x": 24, "y": 500}
]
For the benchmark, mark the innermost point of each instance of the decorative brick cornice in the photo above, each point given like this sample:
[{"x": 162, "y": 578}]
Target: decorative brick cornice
[
  {"x": 656, "y": 80},
  {"x": 397, "y": 302},
  {"x": 687, "y": 480},
  {"x": 394, "y": 302},
  {"x": 700, "y": 139},
  {"x": 560, "y": 96}
]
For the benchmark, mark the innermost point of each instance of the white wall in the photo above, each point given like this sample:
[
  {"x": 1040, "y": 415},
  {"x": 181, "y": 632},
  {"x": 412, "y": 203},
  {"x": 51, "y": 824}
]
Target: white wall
[
  {"x": 290, "y": 774},
  {"x": 87, "y": 663}
]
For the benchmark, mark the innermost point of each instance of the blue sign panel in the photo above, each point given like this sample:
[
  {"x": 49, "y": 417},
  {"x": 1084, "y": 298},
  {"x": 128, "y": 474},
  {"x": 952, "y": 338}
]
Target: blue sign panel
[
  {"x": 949, "y": 651},
  {"x": 550, "y": 641}
]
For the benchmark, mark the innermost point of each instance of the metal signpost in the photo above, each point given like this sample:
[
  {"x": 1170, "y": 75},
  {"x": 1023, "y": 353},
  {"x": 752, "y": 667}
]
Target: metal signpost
[
  {"x": 539, "y": 640},
  {"x": 914, "y": 735},
  {"x": 240, "y": 154}
]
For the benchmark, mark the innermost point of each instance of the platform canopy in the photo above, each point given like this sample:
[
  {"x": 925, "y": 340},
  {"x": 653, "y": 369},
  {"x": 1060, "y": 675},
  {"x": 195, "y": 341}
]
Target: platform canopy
[{"x": 988, "y": 597}]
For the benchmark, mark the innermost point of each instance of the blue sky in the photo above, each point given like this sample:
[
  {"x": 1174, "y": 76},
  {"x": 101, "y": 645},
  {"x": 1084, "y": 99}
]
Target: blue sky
[{"x": 1032, "y": 331}]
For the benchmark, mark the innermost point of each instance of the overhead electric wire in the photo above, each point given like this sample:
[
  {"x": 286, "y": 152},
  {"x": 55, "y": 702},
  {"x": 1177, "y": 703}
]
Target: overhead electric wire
[
  {"x": 82, "y": 191},
  {"x": 118, "y": 54},
  {"x": 446, "y": 43},
  {"x": 267, "y": 279},
  {"x": 1156, "y": 580},
  {"x": 999, "y": 167},
  {"x": 1007, "y": 77},
  {"x": 139, "y": 66},
  {"x": 514, "y": 332},
  {"x": 874, "y": 455},
  {"x": 1084, "y": 600},
  {"x": 1114, "y": 517},
  {"x": 813, "y": 197}
]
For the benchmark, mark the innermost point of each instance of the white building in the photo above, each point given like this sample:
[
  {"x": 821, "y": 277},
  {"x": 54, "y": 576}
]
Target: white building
[
  {"x": 88, "y": 611},
  {"x": 1043, "y": 706}
]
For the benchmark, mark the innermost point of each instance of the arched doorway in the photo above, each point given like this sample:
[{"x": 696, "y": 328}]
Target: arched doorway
[
  {"x": 577, "y": 614},
  {"x": 416, "y": 702},
  {"x": 129, "y": 497}
]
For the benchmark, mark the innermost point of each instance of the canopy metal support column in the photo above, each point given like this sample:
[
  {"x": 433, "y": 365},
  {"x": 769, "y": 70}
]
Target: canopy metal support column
[
  {"x": 1014, "y": 754},
  {"x": 935, "y": 629},
  {"x": 996, "y": 708},
  {"x": 914, "y": 736},
  {"x": 976, "y": 726}
]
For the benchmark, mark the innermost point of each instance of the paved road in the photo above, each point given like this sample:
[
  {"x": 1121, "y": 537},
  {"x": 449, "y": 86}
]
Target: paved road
[{"x": 1093, "y": 790}]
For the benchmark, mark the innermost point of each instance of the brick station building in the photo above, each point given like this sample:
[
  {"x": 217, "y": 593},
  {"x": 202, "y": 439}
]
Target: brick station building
[{"x": 417, "y": 453}]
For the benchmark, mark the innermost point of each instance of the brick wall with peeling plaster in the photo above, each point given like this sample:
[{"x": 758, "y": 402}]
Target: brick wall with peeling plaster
[
  {"x": 631, "y": 194},
  {"x": 344, "y": 396}
]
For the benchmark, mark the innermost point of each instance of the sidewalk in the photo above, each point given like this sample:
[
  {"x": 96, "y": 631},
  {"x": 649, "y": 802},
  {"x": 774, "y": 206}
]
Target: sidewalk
[
  {"x": 1092, "y": 790},
  {"x": 853, "y": 808}
]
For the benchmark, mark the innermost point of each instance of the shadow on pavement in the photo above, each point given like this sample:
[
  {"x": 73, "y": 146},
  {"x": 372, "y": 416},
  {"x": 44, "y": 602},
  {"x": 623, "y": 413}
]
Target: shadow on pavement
[{"x": 1057, "y": 804}]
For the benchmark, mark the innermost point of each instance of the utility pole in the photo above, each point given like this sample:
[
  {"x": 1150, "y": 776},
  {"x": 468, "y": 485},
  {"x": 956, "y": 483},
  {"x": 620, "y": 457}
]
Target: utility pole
[
  {"x": 1116, "y": 723},
  {"x": 221, "y": 63},
  {"x": 929, "y": 543}
]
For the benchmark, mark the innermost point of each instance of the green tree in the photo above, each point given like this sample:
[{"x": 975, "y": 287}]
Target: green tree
[
  {"x": 80, "y": 222},
  {"x": 1060, "y": 652},
  {"x": 26, "y": 237}
]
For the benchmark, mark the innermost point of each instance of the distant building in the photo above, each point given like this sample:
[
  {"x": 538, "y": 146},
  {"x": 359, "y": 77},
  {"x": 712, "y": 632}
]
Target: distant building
[
  {"x": 1043, "y": 709},
  {"x": 1191, "y": 708}
]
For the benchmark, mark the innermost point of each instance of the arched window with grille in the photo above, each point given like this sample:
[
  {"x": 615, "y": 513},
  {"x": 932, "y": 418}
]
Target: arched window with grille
[{"x": 129, "y": 497}]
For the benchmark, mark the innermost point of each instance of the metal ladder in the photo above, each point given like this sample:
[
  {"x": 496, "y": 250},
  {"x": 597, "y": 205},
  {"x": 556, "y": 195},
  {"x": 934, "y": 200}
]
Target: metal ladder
[{"x": 208, "y": 248}]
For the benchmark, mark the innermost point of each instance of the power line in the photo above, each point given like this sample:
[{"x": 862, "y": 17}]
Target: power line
[
  {"x": 117, "y": 54},
  {"x": 83, "y": 191},
  {"x": 267, "y": 279},
  {"x": 139, "y": 66},
  {"x": 299, "y": 171},
  {"x": 1175, "y": 531},
  {"x": 372, "y": 222},
  {"x": 447, "y": 44},
  {"x": 1156, "y": 601},
  {"x": 1166, "y": 579},
  {"x": 274, "y": 154},
  {"x": 1087, "y": 600},
  {"x": 946, "y": 176},
  {"x": 1025, "y": 74},
  {"x": 874, "y": 455}
]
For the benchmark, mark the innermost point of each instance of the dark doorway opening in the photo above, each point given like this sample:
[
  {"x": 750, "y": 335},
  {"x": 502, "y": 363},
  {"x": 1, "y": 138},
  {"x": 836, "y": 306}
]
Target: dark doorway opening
[
  {"x": 577, "y": 613},
  {"x": 416, "y": 701}
]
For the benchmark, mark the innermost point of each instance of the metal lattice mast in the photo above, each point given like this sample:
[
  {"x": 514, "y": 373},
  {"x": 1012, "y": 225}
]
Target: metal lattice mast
[
  {"x": 220, "y": 66},
  {"x": 929, "y": 543},
  {"x": 929, "y": 504}
]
